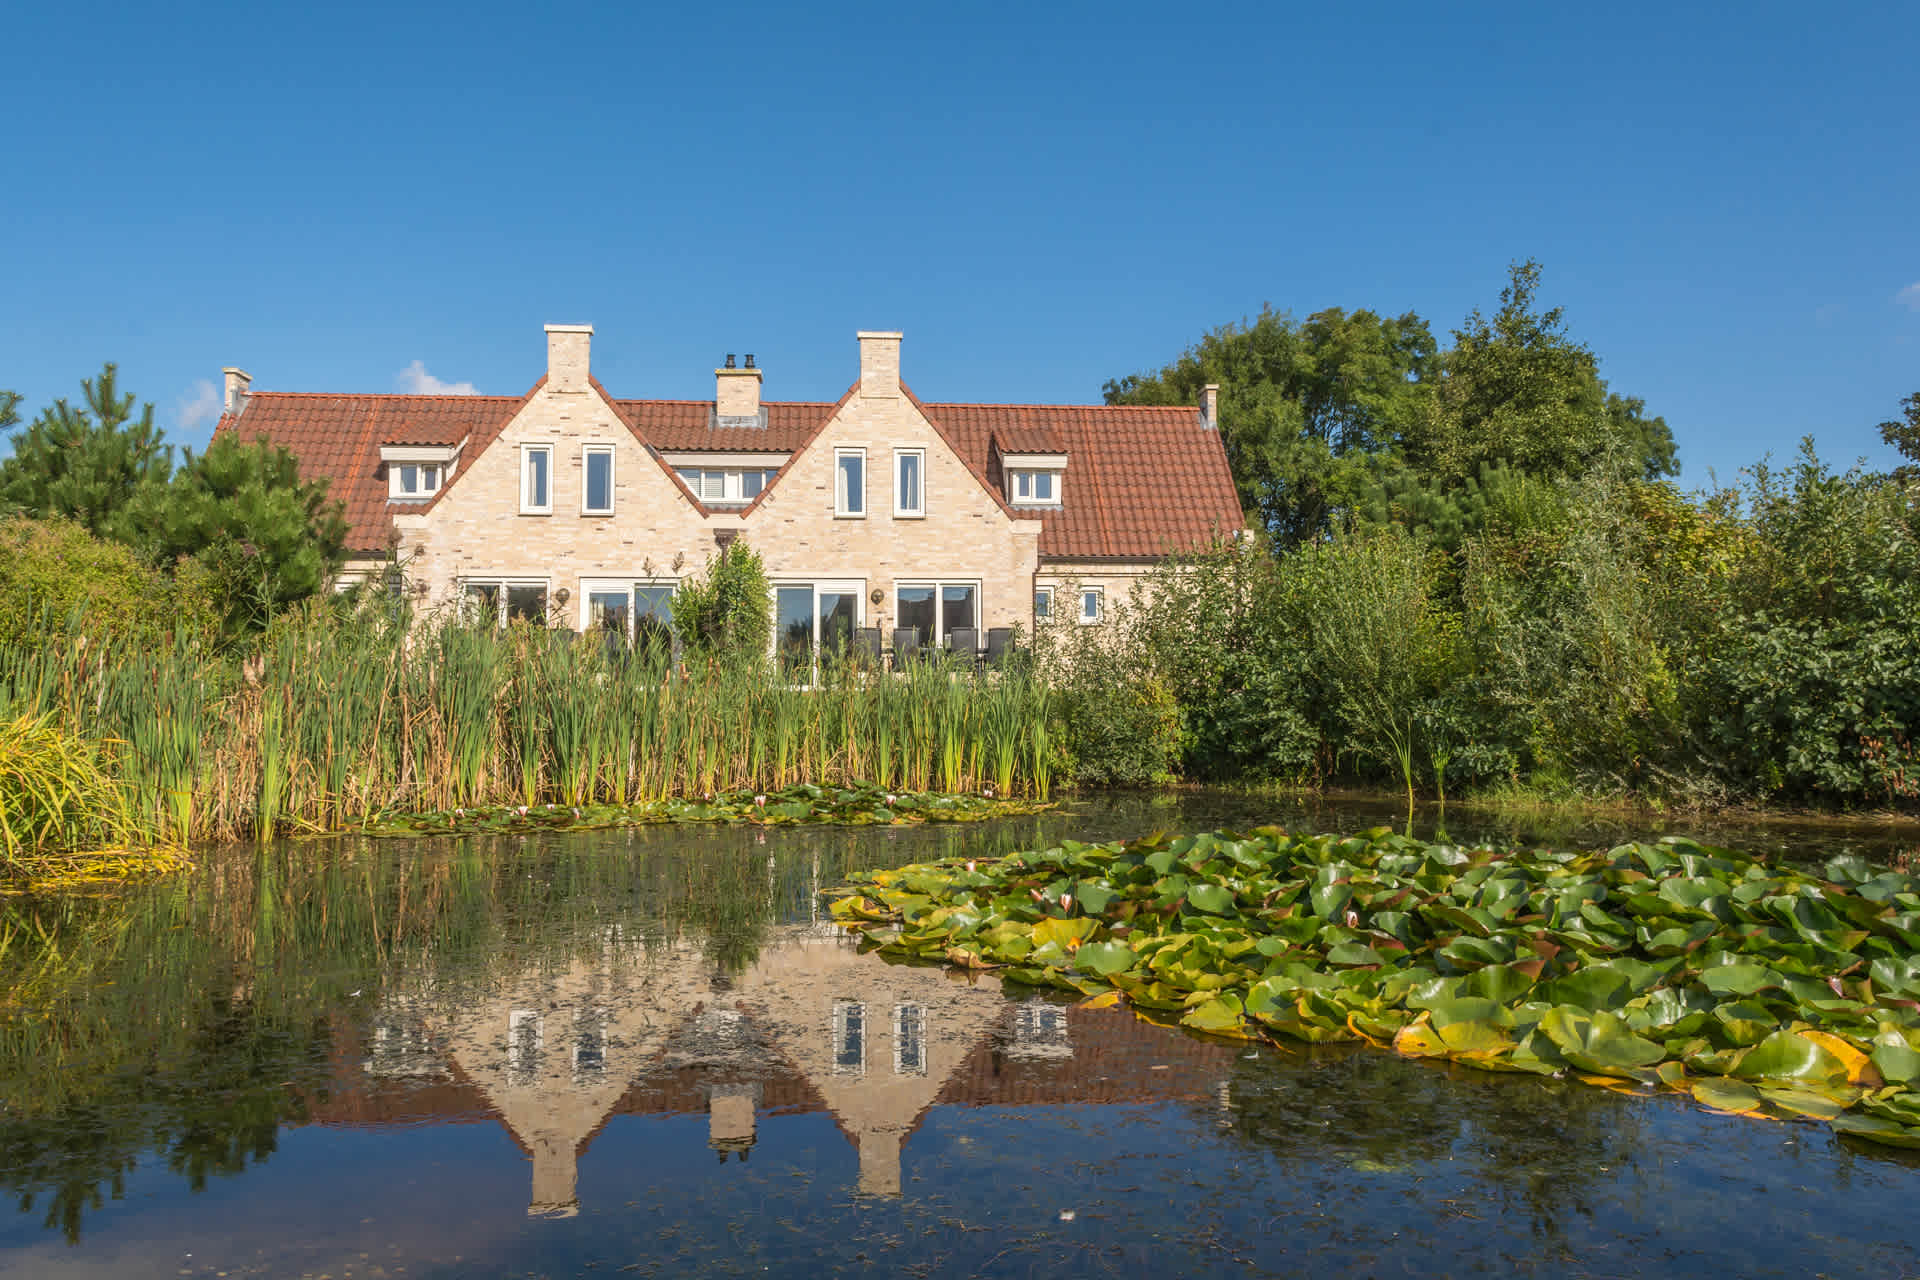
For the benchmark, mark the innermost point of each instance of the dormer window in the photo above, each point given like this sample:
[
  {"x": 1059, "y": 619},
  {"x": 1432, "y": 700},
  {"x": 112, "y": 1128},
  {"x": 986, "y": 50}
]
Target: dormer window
[
  {"x": 415, "y": 472},
  {"x": 1034, "y": 479}
]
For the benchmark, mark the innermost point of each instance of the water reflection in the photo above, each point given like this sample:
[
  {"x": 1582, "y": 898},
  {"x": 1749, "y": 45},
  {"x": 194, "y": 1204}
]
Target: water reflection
[{"x": 438, "y": 1050}]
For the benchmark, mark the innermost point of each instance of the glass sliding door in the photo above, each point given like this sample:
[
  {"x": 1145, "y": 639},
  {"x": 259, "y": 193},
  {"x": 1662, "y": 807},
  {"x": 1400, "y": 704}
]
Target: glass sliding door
[
  {"x": 935, "y": 609},
  {"x": 653, "y": 618},
  {"x": 813, "y": 620},
  {"x": 918, "y": 607}
]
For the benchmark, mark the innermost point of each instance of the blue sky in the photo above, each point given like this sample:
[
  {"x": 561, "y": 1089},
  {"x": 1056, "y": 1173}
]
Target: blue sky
[{"x": 1042, "y": 197}]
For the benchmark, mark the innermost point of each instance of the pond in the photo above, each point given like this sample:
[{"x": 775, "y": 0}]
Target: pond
[{"x": 646, "y": 1053}]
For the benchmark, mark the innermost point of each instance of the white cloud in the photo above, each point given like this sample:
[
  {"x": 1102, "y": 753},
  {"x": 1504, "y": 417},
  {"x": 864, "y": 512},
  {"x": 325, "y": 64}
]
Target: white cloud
[
  {"x": 416, "y": 381},
  {"x": 199, "y": 407},
  {"x": 1909, "y": 296}
]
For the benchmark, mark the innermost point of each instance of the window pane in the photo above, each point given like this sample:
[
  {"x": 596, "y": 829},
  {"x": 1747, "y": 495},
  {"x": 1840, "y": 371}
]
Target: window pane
[
  {"x": 484, "y": 599},
  {"x": 429, "y": 479},
  {"x": 849, "y": 1036},
  {"x": 1043, "y": 486},
  {"x": 713, "y": 486},
  {"x": 409, "y": 479},
  {"x": 910, "y": 1039},
  {"x": 956, "y": 610},
  {"x": 914, "y": 608},
  {"x": 853, "y": 489},
  {"x": 599, "y": 481},
  {"x": 537, "y": 460},
  {"x": 607, "y": 611},
  {"x": 752, "y": 482},
  {"x": 1023, "y": 484},
  {"x": 1043, "y": 604},
  {"x": 528, "y": 603},
  {"x": 838, "y": 611},
  {"x": 793, "y": 629},
  {"x": 653, "y": 617},
  {"x": 910, "y": 482},
  {"x": 1090, "y": 604}
]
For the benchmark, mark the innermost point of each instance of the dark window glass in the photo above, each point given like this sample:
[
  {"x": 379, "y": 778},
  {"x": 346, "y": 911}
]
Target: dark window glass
[
  {"x": 528, "y": 604},
  {"x": 653, "y": 617},
  {"x": 484, "y": 599},
  {"x": 956, "y": 610},
  {"x": 838, "y": 613},
  {"x": 915, "y": 609},
  {"x": 607, "y": 611},
  {"x": 599, "y": 481},
  {"x": 793, "y": 629}
]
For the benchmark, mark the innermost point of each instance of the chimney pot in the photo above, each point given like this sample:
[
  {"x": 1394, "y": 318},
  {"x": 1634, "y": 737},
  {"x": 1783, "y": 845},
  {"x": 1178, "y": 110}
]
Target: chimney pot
[
  {"x": 749, "y": 359},
  {"x": 736, "y": 396},
  {"x": 237, "y": 381},
  {"x": 729, "y": 359}
]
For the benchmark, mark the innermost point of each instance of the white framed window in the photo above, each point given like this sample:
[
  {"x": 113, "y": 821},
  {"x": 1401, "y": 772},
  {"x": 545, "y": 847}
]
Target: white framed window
[
  {"x": 1037, "y": 488},
  {"x": 496, "y": 601},
  {"x": 909, "y": 1040},
  {"x": 811, "y": 618},
  {"x": 1042, "y": 603},
  {"x": 418, "y": 480},
  {"x": 935, "y": 609},
  {"x": 850, "y": 482},
  {"x": 1040, "y": 1031},
  {"x": 640, "y": 611},
  {"x": 589, "y": 1044},
  {"x": 536, "y": 479},
  {"x": 1093, "y": 604},
  {"x": 596, "y": 480},
  {"x": 720, "y": 487},
  {"x": 849, "y": 1038},
  {"x": 909, "y": 483}
]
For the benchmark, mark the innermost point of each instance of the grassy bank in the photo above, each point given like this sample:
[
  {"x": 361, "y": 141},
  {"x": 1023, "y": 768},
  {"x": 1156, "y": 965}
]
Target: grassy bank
[{"x": 329, "y": 720}]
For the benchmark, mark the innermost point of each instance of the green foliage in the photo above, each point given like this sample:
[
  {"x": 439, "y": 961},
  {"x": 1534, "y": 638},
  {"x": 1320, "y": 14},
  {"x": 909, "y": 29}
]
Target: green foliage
[
  {"x": 55, "y": 793},
  {"x": 265, "y": 537},
  {"x": 1304, "y": 406},
  {"x": 1671, "y": 966},
  {"x": 726, "y": 613},
  {"x": 1117, "y": 720},
  {"x": 58, "y": 581},
  {"x": 94, "y": 464},
  {"x": 1904, "y": 436}
]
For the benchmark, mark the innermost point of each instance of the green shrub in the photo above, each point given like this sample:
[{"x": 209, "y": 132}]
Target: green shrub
[
  {"x": 726, "y": 612},
  {"x": 56, "y": 580}
]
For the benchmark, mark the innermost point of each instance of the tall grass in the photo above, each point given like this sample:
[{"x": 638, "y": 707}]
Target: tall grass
[
  {"x": 331, "y": 719},
  {"x": 55, "y": 792}
]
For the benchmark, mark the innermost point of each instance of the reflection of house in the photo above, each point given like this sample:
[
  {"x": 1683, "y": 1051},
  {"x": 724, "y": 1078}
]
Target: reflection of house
[
  {"x": 876, "y": 511},
  {"x": 812, "y": 1026}
]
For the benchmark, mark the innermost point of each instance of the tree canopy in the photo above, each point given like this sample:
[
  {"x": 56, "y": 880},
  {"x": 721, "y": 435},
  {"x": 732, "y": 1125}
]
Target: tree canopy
[
  {"x": 93, "y": 463},
  {"x": 1326, "y": 420}
]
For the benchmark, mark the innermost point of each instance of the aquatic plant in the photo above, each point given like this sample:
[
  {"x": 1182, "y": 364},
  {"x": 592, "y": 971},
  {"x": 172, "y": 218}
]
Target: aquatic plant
[
  {"x": 55, "y": 792},
  {"x": 1676, "y": 966}
]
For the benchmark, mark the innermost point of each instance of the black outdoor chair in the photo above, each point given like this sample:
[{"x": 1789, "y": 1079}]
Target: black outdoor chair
[
  {"x": 964, "y": 644},
  {"x": 999, "y": 645},
  {"x": 906, "y": 646},
  {"x": 866, "y": 647}
]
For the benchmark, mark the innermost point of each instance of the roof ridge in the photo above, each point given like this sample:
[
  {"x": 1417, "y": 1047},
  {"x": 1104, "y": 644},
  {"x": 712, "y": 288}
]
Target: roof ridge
[
  {"x": 980, "y": 404},
  {"x": 804, "y": 404},
  {"x": 375, "y": 395}
]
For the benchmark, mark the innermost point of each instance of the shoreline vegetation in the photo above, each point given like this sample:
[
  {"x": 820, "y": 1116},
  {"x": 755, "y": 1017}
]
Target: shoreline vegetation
[
  {"x": 337, "y": 721},
  {"x": 1665, "y": 967}
]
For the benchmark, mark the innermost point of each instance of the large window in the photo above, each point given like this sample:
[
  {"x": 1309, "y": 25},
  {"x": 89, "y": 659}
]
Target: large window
[
  {"x": 498, "y": 601},
  {"x": 638, "y": 612},
  {"x": 909, "y": 487},
  {"x": 536, "y": 479},
  {"x": 596, "y": 490},
  {"x": 910, "y": 1039},
  {"x": 812, "y": 619},
  {"x": 849, "y": 1037},
  {"x": 526, "y": 1040},
  {"x": 934, "y": 609},
  {"x": 850, "y": 482}
]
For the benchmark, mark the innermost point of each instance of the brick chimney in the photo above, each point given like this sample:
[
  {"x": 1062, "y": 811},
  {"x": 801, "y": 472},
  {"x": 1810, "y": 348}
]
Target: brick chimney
[
  {"x": 1210, "y": 406},
  {"x": 879, "y": 363},
  {"x": 569, "y": 347},
  {"x": 237, "y": 380},
  {"x": 736, "y": 394}
]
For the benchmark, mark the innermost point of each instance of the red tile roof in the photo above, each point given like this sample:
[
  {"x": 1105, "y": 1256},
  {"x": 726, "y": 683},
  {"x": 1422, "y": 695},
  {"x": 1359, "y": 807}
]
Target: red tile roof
[
  {"x": 1140, "y": 481},
  {"x": 339, "y": 437}
]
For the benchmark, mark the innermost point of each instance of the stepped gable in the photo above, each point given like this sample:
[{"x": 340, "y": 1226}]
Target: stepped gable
[{"x": 1140, "y": 480}]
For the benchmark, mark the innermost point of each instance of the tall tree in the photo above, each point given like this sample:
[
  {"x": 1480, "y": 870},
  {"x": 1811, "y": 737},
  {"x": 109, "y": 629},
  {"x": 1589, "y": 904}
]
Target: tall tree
[
  {"x": 268, "y": 537},
  {"x": 1305, "y": 407},
  {"x": 9, "y": 410},
  {"x": 1516, "y": 390},
  {"x": 1905, "y": 437},
  {"x": 92, "y": 463}
]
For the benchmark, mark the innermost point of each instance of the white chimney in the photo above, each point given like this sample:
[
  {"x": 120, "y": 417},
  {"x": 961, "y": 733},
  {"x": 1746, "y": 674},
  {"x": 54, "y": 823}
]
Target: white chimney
[
  {"x": 736, "y": 395},
  {"x": 1210, "y": 406},
  {"x": 879, "y": 363},
  {"x": 568, "y": 348},
  {"x": 237, "y": 380}
]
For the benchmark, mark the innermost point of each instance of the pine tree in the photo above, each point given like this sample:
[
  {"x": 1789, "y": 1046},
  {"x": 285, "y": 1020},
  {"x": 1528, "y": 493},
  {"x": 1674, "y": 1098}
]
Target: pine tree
[{"x": 94, "y": 464}]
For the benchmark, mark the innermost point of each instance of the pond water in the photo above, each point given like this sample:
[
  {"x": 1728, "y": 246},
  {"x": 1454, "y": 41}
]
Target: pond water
[{"x": 645, "y": 1053}]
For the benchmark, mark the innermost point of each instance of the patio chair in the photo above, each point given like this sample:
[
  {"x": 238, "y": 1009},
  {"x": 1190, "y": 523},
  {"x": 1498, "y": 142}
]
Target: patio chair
[
  {"x": 866, "y": 647},
  {"x": 906, "y": 646},
  {"x": 964, "y": 644},
  {"x": 999, "y": 644}
]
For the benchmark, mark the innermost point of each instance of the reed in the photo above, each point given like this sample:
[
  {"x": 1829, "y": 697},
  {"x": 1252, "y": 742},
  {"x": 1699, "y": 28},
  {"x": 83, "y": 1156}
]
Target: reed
[{"x": 332, "y": 718}]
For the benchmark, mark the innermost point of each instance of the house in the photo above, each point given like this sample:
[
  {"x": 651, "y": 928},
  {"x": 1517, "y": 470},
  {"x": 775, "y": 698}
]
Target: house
[{"x": 878, "y": 510}]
